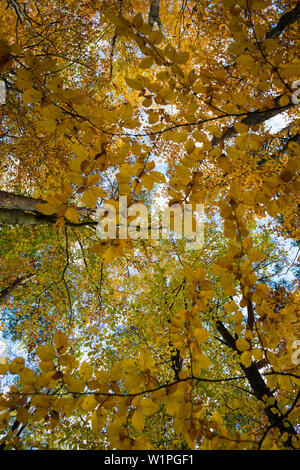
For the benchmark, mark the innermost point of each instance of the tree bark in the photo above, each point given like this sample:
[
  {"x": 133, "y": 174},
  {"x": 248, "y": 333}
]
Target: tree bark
[
  {"x": 288, "y": 18},
  {"x": 260, "y": 389},
  {"x": 154, "y": 16},
  {"x": 5, "y": 293},
  {"x": 254, "y": 118},
  {"x": 16, "y": 209}
]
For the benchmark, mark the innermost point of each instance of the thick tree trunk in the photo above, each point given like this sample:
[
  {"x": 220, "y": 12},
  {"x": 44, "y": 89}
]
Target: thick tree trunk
[{"x": 16, "y": 209}]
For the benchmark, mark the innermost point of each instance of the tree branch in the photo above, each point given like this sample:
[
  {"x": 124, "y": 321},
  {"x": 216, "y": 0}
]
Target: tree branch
[
  {"x": 154, "y": 16},
  {"x": 260, "y": 389},
  {"x": 16, "y": 209},
  {"x": 19, "y": 12},
  {"x": 5, "y": 293},
  {"x": 254, "y": 118},
  {"x": 287, "y": 19}
]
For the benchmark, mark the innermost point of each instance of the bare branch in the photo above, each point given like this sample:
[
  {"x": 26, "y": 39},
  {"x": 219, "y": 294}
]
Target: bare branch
[{"x": 20, "y": 13}]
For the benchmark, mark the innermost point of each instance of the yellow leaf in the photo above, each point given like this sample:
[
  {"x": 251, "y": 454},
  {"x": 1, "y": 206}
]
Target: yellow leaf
[
  {"x": 246, "y": 358},
  {"x": 86, "y": 371},
  {"x": 202, "y": 362},
  {"x": 4, "y": 419},
  {"x": 89, "y": 199},
  {"x": 46, "y": 125},
  {"x": 61, "y": 342},
  {"x": 46, "y": 208},
  {"x": 46, "y": 352},
  {"x": 17, "y": 365},
  {"x": 46, "y": 366},
  {"x": 92, "y": 180},
  {"x": 89, "y": 403},
  {"x": 75, "y": 178},
  {"x": 145, "y": 360},
  {"x": 190, "y": 146},
  {"x": 257, "y": 354},
  {"x": 240, "y": 127},
  {"x": 32, "y": 96},
  {"x": 217, "y": 417},
  {"x": 72, "y": 215},
  {"x": 284, "y": 100},
  {"x": 148, "y": 406},
  {"x": 200, "y": 334},
  {"x": 155, "y": 37},
  {"x": 138, "y": 420},
  {"x": 242, "y": 344},
  {"x": 182, "y": 57},
  {"x": 26, "y": 376},
  {"x": 3, "y": 368},
  {"x": 22, "y": 415},
  {"x": 146, "y": 63},
  {"x": 97, "y": 421},
  {"x": 134, "y": 84}
]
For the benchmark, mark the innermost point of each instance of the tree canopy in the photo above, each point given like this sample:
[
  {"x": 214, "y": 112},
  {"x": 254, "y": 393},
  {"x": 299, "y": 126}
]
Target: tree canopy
[{"x": 143, "y": 343}]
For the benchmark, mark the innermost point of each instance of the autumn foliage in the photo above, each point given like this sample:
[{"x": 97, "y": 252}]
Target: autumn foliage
[{"x": 144, "y": 344}]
